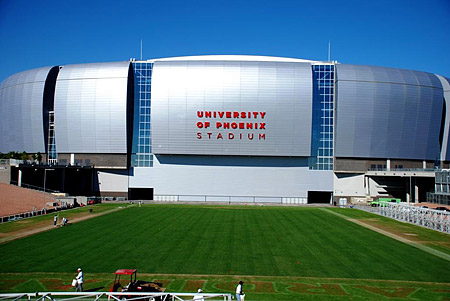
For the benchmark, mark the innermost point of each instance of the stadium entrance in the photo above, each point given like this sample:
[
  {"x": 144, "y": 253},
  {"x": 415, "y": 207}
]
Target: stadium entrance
[
  {"x": 319, "y": 197},
  {"x": 140, "y": 193}
]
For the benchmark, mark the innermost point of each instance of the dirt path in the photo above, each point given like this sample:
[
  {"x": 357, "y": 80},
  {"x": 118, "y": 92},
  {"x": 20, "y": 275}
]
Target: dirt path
[
  {"x": 31, "y": 231},
  {"x": 394, "y": 236}
]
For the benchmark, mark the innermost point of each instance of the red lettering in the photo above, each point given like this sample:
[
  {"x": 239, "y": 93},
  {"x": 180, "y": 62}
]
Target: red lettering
[
  {"x": 249, "y": 125},
  {"x": 241, "y": 125},
  {"x": 207, "y": 124},
  {"x": 261, "y": 286},
  {"x": 262, "y": 136},
  {"x": 240, "y": 136},
  {"x": 234, "y": 125},
  {"x": 243, "y": 115},
  {"x": 221, "y": 114},
  {"x": 214, "y": 114},
  {"x": 218, "y": 125},
  {"x": 209, "y": 135},
  {"x": 200, "y": 114},
  {"x": 250, "y": 136},
  {"x": 200, "y": 125},
  {"x": 199, "y": 135},
  {"x": 394, "y": 292},
  {"x": 262, "y": 114},
  {"x": 208, "y": 114},
  {"x": 235, "y": 114},
  {"x": 228, "y": 114},
  {"x": 230, "y": 136},
  {"x": 262, "y": 126},
  {"x": 219, "y": 136},
  {"x": 255, "y": 114},
  {"x": 226, "y": 125}
]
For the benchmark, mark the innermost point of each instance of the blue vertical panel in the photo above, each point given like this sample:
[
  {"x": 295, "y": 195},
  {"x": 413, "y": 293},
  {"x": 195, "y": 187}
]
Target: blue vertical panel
[
  {"x": 21, "y": 114},
  {"x": 322, "y": 136},
  {"x": 387, "y": 113},
  {"x": 142, "y": 141}
]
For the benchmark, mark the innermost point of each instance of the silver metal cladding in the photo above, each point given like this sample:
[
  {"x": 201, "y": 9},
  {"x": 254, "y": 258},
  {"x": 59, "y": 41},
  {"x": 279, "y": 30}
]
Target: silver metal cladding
[
  {"x": 231, "y": 108},
  {"x": 91, "y": 108}
]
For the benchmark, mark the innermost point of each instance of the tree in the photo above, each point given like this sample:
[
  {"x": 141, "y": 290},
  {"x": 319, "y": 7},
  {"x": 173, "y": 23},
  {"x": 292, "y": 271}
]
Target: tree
[
  {"x": 24, "y": 156},
  {"x": 12, "y": 155},
  {"x": 37, "y": 157}
]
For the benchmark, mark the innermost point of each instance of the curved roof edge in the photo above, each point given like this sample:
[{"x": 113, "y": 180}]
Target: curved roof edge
[
  {"x": 26, "y": 76},
  {"x": 445, "y": 82},
  {"x": 94, "y": 70},
  {"x": 246, "y": 58},
  {"x": 96, "y": 64}
]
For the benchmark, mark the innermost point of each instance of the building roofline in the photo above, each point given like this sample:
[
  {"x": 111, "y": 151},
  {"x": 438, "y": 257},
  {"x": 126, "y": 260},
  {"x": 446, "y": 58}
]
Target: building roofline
[{"x": 245, "y": 58}]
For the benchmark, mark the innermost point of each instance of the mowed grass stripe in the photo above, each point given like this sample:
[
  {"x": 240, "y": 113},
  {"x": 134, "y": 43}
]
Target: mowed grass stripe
[{"x": 227, "y": 240}]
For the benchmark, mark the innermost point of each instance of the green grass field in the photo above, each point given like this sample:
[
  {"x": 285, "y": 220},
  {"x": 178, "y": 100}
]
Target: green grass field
[{"x": 290, "y": 245}]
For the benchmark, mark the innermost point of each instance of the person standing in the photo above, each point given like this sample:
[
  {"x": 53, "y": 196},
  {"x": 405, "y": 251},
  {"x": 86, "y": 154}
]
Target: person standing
[
  {"x": 239, "y": 292},
  {"x": 55, "y": 220},
  {"x": 79, "y": 278},
  {"x": 199, "y": 295}
]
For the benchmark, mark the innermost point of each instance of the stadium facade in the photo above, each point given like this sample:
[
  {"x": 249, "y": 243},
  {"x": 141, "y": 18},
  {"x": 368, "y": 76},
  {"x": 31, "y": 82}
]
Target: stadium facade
[{"x": 229, "y": 129}]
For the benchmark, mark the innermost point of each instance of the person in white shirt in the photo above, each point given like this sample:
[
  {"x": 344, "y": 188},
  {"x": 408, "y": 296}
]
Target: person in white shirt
[
  {"x": 79, "y": 278},
  {"x": 239, "y": 292},
  {"x": 199, "y": 296}
]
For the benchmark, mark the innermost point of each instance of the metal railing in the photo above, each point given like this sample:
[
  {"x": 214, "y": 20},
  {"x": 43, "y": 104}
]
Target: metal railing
[
  {"x": 215, "y": 198},
  {"x": 438, "y": 220},
  {"x": 113, "y": 296},
  {"x": 402, "y": 169},
  {"x": 33, "y": 187},
  {"x": 33, "y": 213},
  {"x": 442, "y": 198},
  {"x": 22, "y": 215},
  {"x": 230, "y": 199}
]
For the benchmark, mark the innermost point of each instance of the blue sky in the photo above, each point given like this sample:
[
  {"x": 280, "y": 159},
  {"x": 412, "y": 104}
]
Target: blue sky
[{"x": 407, "y": 34}]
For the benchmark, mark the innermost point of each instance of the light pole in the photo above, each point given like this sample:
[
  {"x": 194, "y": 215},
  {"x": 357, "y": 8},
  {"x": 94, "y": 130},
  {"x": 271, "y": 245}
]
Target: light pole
[{"x": 45, "y": 180}]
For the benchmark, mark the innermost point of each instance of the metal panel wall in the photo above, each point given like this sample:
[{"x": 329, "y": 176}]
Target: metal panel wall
[
  {"x": 21, "y": 115},
  {"x": 91, "y": 108},
  {"x": 387, "y": 113},
  {"x": 274, "y": 98},
  {"x": 445, "y": 151}
]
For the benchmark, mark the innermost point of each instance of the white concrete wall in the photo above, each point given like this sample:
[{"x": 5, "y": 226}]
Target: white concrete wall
[
  {"x": 349, "y": 185},
  {"x": 113, "y": 181},
  {"x": 352, "y": 185},
  {"x": 244, "y": 181}
]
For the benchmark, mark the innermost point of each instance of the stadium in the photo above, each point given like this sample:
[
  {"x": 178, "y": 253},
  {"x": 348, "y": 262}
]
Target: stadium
[{"x": 226, "y": 128}]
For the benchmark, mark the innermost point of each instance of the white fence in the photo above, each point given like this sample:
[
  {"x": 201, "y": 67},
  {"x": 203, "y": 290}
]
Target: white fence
[
  {"x": 229, "y": 199},
  {"x": 113, "y": 296},
  {"x": 434, "y": 219}
]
